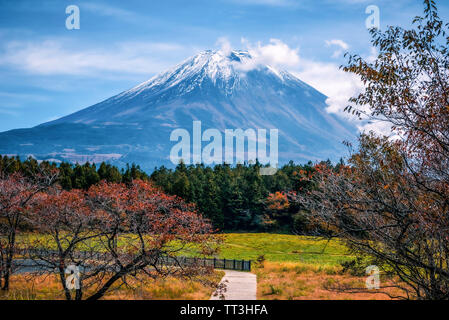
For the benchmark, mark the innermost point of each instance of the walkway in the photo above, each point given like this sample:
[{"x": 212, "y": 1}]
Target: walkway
[{"x": 239, "y": 286}]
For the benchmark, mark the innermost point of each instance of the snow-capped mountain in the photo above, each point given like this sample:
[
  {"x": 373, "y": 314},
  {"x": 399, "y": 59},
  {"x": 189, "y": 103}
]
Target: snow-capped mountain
[{"x": 223, "y": 91}]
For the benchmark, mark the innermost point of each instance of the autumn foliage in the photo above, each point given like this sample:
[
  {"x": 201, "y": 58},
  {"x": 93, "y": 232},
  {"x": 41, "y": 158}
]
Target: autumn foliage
[
  {"x": 17, "y": 194},
  {"x": 100, "y": 237},
  {"x": 113, "y": 232},
  {"x": 391, "y": 204}
]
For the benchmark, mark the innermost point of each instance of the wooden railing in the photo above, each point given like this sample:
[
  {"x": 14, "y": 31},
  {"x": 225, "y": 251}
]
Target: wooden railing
[{"x": 229, "y": 264}]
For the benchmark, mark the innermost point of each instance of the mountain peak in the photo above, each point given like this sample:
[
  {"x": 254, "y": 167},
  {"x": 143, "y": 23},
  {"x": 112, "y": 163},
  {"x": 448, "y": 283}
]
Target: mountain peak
[
  {"x": 223, "y": 90},
  {"x": 227, "y": 68}
]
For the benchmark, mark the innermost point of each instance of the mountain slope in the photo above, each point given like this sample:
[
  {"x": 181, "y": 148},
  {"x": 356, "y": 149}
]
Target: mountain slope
[{"x": 222, "y": 91}]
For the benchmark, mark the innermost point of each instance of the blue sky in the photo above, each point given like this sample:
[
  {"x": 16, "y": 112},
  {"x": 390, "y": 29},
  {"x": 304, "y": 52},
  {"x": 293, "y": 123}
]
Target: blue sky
[{"x": 47, "y": 71}]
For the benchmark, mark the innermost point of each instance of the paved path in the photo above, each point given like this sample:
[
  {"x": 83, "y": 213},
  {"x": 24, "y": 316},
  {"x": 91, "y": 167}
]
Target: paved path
[{"x": 239, "y": 286}]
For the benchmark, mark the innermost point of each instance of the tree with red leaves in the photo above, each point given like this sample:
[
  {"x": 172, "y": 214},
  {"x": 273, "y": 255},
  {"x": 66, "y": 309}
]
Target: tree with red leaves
[
  {"x": 114, "y": 232},
  {"x": 17, "y": 192},
  {"x": 66, "y": 226}
]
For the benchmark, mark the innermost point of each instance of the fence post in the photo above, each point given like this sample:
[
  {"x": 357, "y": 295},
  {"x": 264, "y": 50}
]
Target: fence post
[
  {"x": 233, "y": 265},
  {"x": 215, "y": 262},
  {"x": 224, "y": 263},
  {"x": 243, "y": 264}
]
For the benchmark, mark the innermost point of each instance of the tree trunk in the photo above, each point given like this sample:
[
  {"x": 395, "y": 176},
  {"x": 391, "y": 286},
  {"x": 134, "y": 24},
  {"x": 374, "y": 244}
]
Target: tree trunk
[
  {"x": 9, "y": 260},
  {"x": 100, "y": 293},
  {"x": 68, "y": 296},
  {"x": 79, "y": 294}
]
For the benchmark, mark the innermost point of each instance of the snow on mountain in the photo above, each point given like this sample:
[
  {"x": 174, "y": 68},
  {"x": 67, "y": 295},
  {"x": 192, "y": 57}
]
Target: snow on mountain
[{"x": 223, "y": 91}]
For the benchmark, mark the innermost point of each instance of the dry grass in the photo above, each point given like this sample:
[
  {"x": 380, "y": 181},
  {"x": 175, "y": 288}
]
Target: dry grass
[
  {"x": 168, "y": 289},
  {"x": 298, "y": 281},
  {"x": 296, "y": 267},
  {"x": 48, "y": 287}
]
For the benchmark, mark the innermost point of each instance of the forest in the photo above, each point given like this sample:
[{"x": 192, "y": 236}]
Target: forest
[{"x": 233, "y": 198}]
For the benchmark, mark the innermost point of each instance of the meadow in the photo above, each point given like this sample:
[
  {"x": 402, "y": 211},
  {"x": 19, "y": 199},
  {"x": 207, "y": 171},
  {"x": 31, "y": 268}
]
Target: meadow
[
  {"x": 287, "y": 267},
  {"x": 291, "y": 267},
  {"x": 284, "y": 248}
]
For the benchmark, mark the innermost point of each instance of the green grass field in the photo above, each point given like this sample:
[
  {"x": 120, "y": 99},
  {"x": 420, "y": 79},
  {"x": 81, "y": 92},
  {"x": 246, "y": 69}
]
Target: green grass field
[
  {"x": 295, "y": 267},
  {"x": 283, "y": 248},
  {"x": 275, "y": 248}
]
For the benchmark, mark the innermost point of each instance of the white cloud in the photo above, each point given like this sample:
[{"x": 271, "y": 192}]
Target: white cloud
[
  {"x": 56, "y": 57},
  {"x": 326, "y": 77},
  {"x": 338, "y": 42},
  {"x": 336, "y": 84},
  {"x": 225, "y": 45},
  {"x": 339, "y": 86},
  {"x": 342, "y": 46},
  {"x": 276, "y": 54},
  {"x": 377, "y": 126}
]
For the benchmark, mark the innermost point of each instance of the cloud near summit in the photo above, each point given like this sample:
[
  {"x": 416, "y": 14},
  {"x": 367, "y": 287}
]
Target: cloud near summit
[
  {"x": 326, "y": 77},
  {"x": 276, "y": 53}
]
